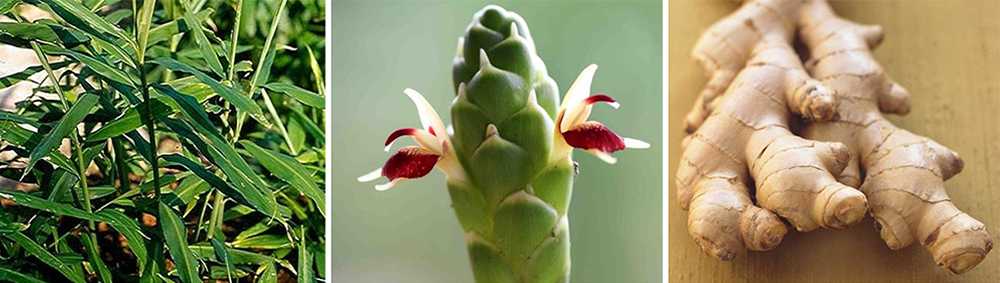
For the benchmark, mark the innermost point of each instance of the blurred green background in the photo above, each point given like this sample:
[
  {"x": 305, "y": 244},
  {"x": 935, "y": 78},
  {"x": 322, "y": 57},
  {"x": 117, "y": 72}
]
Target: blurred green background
[{"x": 410, "y": 234}]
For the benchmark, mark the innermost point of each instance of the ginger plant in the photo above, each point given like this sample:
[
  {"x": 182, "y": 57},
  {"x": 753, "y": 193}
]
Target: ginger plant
[
  {"x": 740, "y": 144},
  {"x": 508, "y": 161},
  {"x": 901, "y": 173}
]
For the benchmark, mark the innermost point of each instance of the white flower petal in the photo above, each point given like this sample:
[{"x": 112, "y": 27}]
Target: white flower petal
[
  {"x": 387, "y": 186},
  {"x": 634, "y": 143},
  {"x": 572, "y": 105},
  {"x": 428, "y": 117},
  {"x": 371, "y": 176},
  {"x": 604, "y": 156}
]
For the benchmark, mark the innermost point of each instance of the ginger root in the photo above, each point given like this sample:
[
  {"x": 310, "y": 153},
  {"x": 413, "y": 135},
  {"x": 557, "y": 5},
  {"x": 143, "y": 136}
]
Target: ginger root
[
  {"x": 741, "y": 139},
  {"x": 904, "y": 173}
]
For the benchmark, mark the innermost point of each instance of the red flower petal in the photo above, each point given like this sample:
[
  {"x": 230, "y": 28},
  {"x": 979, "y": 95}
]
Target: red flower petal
[
  {"x": 599, "y": 97},
  {"x": 594, "y": 135},
  {"x": 399, "y": 133},
  {"x": 409, "y": 162}
]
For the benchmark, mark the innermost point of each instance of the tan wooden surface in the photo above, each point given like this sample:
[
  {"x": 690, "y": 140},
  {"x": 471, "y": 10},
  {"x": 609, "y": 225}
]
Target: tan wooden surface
[{"x": 947, "y": 53}]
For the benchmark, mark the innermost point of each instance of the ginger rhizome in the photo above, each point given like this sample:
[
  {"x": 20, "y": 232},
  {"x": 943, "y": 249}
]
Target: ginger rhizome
[
  {"x": 901, "y": 173},
  {"x": 741, "y": 140}
]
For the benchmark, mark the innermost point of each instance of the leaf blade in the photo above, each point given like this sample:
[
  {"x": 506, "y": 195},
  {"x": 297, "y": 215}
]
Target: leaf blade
[
  {"x": 241, "y": 102},
  {"x": 175, "y": 235},
  {"x": 44, "y": 255},
  {"x": 289, "y": 170},
  {"x": 68, "y": 123},
  {"x": 309, "y": 98}
]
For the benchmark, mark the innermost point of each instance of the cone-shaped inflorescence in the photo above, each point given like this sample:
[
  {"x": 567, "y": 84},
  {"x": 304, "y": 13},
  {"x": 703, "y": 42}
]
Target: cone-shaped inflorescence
[{"x": 508, "y": 161}]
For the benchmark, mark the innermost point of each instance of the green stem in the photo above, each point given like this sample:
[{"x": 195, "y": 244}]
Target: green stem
[
  {"x": 277, "y": 121},
  {"x": 215, "y": 222}
]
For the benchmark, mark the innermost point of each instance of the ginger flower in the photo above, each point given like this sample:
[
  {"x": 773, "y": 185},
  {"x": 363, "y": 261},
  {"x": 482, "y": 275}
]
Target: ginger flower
[
  {"x": 573, "y": 130},
  {"x": 433, "y": 149}
]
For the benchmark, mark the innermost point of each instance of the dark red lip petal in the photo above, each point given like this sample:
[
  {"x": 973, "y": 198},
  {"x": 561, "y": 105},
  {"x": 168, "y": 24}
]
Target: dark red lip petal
[
  {"x": 400, "y": 133},
  {"x": 409, "y": 162},
  {"x": 594, "y": 135},
  {"x": 599, "y": 97}
]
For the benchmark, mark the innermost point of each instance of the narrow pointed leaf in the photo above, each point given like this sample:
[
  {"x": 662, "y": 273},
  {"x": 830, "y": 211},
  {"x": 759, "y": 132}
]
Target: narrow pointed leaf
[
  {"x": 223, "y": 255},
  {"x": 129, "y": 121},
  {"x": 263, "y": 72},
  {"x": 27, "y": 200},
  {"x": 129, "y": 228},
  {"x": 305, "y": 260},
  {"x": 82, "y": 18},
  {"x": 144, "y": 21},
  {"x": 241, "y": 102},
  {"x": 66, "y": 125},
  {"x": 289, "y": 170},
  {"x": 236, "y": 256},
  {"x": 14, "y": 276},
  {"x": 7, "y": 5},
  {"x": 12, "y": 79},
  {"x": 100, "y": 66},
  {"x": 205, "y": 46},
  {"x": 240, "y": 196},
  {"x": 175, "y": 235},
  {"x": 44, "y": 256},
  {"x": 94, "y": 256},
  {"x": 302, "y": 95},
  {"x": 268, "y": 274},
  {"x": 85, "y": 19}
]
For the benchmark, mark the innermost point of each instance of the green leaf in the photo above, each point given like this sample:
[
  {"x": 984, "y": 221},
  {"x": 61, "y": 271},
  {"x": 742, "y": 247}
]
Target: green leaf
[
  {"x": 7, "y": 5},
  {"x": 175, "y": 234},
  {"x": 14, "y": 134},
  {"x": 261, "y": 227},
  {"x": 27, "y": 200},
  {"x": 129, "y": 228},
  {"x": 86, "y": 20},
  {"x": 100, "y": 66},
  {"x": 265, "y": 242},
  {"x": 259, "y": 201},
  {"x": 14, "y": 276},
  {"x": 42, "y": 32},
  {"x": 268, "y": 274},
  {"x": 289, "y": 170},
  {"x": 13, "y": 117},
  {"x": 241, "y": 102},
  {"x": 129, "y": 121},
  {"x": 316, "y": 71},
  {"x": 12, "y": 79},
  {"x": 93, "y": 256},
  {"x": 66, "y": 125},
  {"x": 83, "y": 18},
  {"x": 305, "y": 260},
  {"x": 236, "y": 256},
  {"x": 263, "y": 72},
  {"x": 44, "y": 256},
  {"x": 144, "y": 21},
  {"x": 302, "y": 95},
  {"x": 170, "y": 29},
  {"x": 204, "y": 45},
  {"x": 223, "y": 254},
  {"x": 221, "y": 152}
]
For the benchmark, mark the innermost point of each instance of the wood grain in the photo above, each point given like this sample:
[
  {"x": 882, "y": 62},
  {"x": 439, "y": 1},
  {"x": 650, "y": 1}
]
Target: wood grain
[{"x": 947, "y": 53}]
